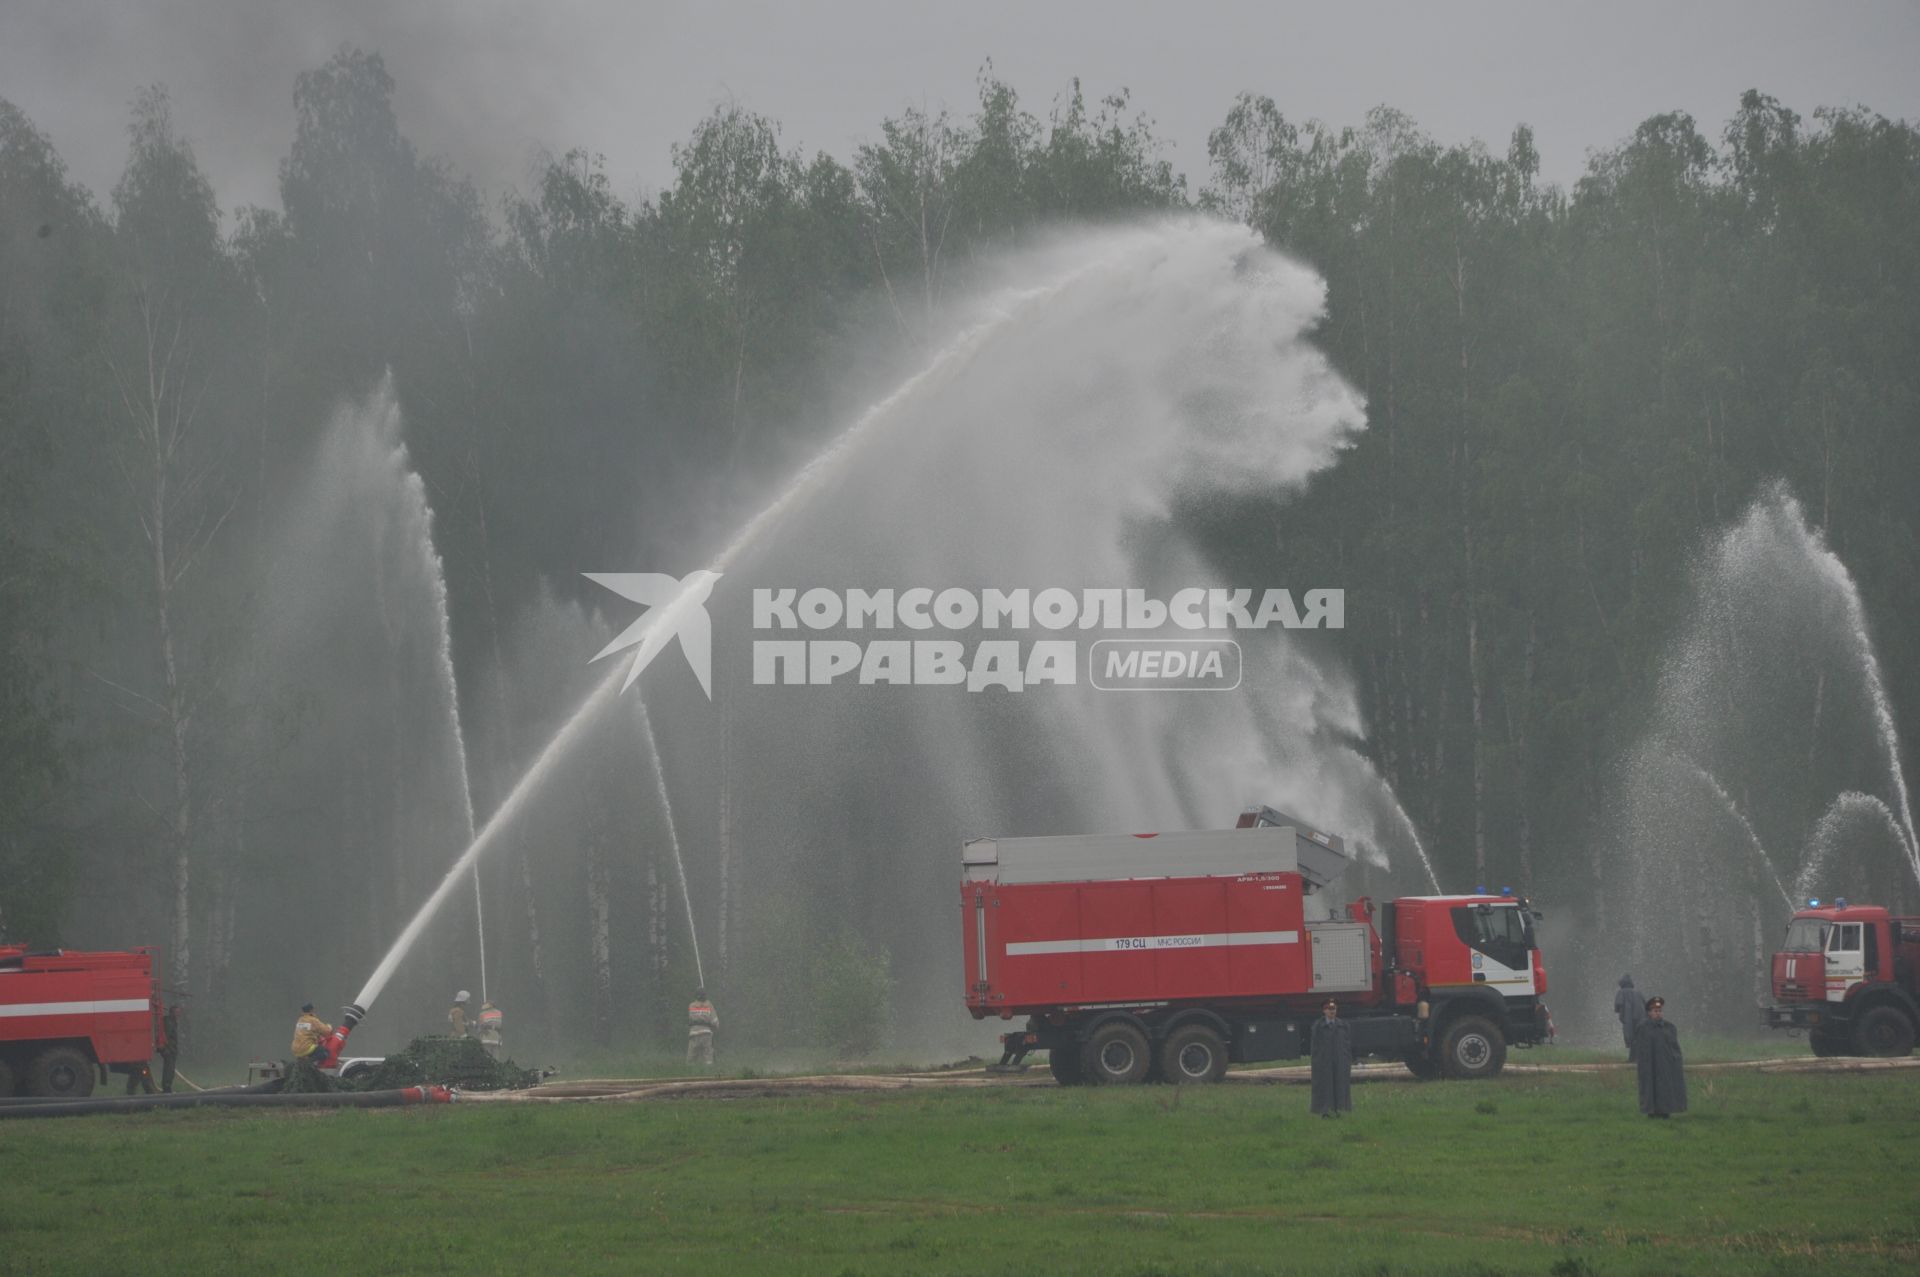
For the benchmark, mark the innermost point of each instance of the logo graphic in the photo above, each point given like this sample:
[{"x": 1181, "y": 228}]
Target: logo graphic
[{"x": 678, "y": 610}]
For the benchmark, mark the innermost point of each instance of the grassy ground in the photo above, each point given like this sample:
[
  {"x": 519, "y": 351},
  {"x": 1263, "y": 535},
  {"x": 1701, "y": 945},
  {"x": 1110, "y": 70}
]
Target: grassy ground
[{"x": 1538, "y": 1174}]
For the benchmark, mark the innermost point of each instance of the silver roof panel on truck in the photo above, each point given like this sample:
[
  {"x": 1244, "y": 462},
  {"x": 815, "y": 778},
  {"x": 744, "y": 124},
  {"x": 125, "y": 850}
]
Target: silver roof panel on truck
[{"x": 1193, "y": 853}]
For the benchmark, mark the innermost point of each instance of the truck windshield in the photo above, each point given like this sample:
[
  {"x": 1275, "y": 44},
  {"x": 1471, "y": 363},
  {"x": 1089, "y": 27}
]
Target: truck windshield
[
  {"x": 1806, "y": 935},
  {"x": 1504, "y": 933}
]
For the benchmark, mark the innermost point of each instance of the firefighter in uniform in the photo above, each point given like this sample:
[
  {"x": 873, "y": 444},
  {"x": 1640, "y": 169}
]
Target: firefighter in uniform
[
  {"x": 309, "y": 1031},
  {"x": 702, "y": 1020},
  {"x": 492, "y": 1022},
  {"x": 457, "y": 1017}
]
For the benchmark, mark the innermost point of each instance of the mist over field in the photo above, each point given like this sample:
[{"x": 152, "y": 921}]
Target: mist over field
[{"x": 304, "y": 454}]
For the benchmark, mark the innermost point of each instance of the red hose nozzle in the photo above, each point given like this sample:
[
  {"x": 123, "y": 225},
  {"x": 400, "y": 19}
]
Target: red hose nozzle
[{"x": 328, "y": 1053}]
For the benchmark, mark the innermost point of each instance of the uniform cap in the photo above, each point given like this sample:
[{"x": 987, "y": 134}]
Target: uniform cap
[{"x": 462, "y": 996}]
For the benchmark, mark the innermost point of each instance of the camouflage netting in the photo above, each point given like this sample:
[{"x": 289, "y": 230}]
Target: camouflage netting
[
  {"x": 446, "y": 1061},
  {"x": 441, "y": 1061},
  {"x": 303, "y": 1078}
]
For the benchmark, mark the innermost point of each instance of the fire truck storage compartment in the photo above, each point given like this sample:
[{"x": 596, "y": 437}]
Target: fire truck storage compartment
[
  {"x": 1118, "y": 918},
  {"x": 1341, "y": 961},
  {"x": 1257, "y": 1040}
]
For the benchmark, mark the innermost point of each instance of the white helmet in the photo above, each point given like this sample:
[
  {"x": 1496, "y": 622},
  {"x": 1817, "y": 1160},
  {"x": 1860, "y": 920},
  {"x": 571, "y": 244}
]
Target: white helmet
[{"x": 462, "y": 996}]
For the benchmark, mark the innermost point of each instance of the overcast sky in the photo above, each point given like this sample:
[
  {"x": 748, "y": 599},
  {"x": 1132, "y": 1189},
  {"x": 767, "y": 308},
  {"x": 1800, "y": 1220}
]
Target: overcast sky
[{"x": 491, "y": 84}]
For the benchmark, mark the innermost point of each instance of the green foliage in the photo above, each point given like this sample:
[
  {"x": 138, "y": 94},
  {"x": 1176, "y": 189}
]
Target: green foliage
[
  {"x": 852, "y": 996},
  {"x": 830, "y": 990}
]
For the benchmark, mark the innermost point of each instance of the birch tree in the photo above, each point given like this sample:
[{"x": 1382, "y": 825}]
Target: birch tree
[{"x": 161, "y": 359}]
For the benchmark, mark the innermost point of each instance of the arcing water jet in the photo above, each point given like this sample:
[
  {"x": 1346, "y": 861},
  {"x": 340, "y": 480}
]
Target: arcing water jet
[
  {"x": 801, "y": 486},
  {"x": 1157, "y": 363},
  {"x": 1725, "y": 799},
  {"x": 673, "y": 834}
]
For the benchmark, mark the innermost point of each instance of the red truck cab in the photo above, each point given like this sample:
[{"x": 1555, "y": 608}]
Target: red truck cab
[
  {"x": 1847, "y": 975},
  {"x": 68, "y": 1018}
]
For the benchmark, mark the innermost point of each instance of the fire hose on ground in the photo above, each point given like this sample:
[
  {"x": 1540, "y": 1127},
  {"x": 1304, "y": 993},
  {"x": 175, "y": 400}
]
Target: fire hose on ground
[{"x": 244, "y": 1097}]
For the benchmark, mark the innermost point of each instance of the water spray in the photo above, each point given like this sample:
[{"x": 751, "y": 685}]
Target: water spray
[
  {"x": 803, "y": 485},
  {"x": 1708, "y": 779}
]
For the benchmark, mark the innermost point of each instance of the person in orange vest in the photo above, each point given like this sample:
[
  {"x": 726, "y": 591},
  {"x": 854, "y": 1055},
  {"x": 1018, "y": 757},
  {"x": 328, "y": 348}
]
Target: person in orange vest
[
  {"x": 309, "y": 1031},
  {"x": 492, "y": 1023},
  {"x": 702, "y": 1020}
]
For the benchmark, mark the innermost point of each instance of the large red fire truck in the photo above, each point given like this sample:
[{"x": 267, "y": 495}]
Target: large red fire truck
[
  {"x": 1172, "y": 955},
  {"x": 67, "y": 1019},
  {"x": 1850, "y": 976}
]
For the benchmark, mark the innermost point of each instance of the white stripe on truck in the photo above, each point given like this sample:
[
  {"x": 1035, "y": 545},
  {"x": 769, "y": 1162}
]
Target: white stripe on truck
[
  {"x": 1131, "y": 944},
  {"x": 73, "y": 1008}
]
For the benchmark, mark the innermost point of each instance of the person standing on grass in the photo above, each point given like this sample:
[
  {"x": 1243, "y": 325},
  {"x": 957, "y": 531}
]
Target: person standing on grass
[
  {"x": 1656, "y": 1051},
  {"x": 1332, "y": 1049},
  {"x": 1629, "y": 1009},
  {"x": 702, "y": 1020}
]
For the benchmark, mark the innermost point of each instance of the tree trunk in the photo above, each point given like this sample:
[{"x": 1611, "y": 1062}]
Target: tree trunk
[
  {"x": 536, "y": 953},
  {"x": 599, "y": 947}
]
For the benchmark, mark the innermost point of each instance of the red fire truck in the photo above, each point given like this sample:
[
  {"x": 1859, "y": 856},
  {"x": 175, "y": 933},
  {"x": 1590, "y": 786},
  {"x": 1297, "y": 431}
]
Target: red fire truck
[
  {"x": 1850, "y": 976},
  {"x": 1171, "y": 955},
  {"x": 67, "y": 1019}
]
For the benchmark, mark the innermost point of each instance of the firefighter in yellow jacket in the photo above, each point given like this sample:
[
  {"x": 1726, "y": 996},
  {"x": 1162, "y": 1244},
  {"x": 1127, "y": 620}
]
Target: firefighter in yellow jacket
[
  {"x": 457, "y": 1020},
  {"x": 702, "y": 1020},
  {"x": 309, "y": 1031}
]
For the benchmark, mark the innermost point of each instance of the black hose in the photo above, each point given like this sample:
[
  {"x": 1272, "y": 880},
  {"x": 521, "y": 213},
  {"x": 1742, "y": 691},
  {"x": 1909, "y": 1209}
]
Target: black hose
[
  {"x": 258, "y": 1088},
  {"x": 248, "y": 1098}
]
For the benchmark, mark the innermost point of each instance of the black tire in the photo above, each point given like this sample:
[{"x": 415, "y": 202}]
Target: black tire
[
  {"x": 1116, "y": 1055},
  {"x": 1883, "y": 1031},
  {"x": 1193, "y": 1055},
  {"x": 1826, "y": 1044},
  {"x": 1064, "y": 1064},
  {"x": 60, "y": 1073},
  {"x": 7, "y": 1080},
  {"x": 353, "y": 1073},
  {"x": 1473, "y": 1046},
  {"x": 1420, "y": 1063}
]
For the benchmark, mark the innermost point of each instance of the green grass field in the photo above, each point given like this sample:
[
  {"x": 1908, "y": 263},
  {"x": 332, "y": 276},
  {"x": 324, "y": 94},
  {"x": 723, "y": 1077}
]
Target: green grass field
[{"x": 1540, "y": 1174}]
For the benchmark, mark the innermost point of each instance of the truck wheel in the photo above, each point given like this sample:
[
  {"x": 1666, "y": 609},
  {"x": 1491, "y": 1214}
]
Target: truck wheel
[
  {"x": 61, "y": 1073},
  {"x": 1065, "y": 1067},
  {"x": 1883, "y": 1031},
  {"x": 1193, "y": 1055},
  {"x": 1826, "y": 1044},
  {"x": 1116, "y": 1055},
  {"x": 1472, "y": 1047},
  {"x": 1420, "y": 1064}
]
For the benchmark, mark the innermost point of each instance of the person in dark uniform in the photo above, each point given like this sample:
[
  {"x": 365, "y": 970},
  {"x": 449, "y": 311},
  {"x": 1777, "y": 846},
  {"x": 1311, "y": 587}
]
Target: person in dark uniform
[
  {"x": 1630, "y": 1009},
  {"x": 1332, "y": 1050},
  {"x": 1656, "y": 1053}
]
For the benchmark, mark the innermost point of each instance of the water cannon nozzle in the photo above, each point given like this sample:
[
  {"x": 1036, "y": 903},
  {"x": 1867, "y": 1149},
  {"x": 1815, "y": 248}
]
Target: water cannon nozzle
[{"x": 351, "y": 1014}]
